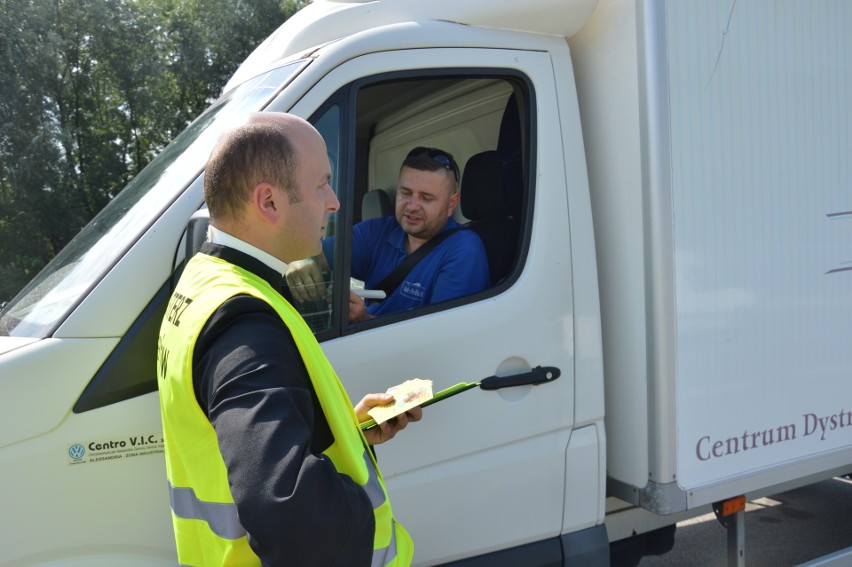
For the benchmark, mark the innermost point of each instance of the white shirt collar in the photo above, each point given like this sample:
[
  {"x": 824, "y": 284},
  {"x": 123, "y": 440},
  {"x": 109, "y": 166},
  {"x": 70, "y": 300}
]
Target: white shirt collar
[{"x": 217, "y": 236}]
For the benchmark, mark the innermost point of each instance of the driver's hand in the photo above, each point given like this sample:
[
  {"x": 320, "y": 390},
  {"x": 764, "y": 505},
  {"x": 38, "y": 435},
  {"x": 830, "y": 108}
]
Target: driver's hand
[
  {"x": 304, "y": 277},
  {"x": 358, "y": 309}
]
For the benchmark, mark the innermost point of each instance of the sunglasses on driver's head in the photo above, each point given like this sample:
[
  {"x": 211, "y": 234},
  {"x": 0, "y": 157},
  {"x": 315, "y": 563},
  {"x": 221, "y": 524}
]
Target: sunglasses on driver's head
[{"x": 442, "y": 158}]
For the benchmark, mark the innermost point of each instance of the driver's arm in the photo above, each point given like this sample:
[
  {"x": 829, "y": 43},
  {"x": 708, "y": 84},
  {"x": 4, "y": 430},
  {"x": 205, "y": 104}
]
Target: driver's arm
[{"x": 305, "y": 278}]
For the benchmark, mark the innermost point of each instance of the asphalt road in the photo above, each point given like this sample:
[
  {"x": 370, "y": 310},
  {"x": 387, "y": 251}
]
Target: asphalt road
[{"x": 786, "y": 529}]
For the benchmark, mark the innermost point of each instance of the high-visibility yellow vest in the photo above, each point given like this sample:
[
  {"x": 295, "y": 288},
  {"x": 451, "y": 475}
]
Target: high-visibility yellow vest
[{"x": 207, "y": 527}]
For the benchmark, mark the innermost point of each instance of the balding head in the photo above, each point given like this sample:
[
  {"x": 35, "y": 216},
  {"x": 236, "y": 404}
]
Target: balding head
[
  {"x": 261, "y": 150},
  {"x": 267, "y": 184}
]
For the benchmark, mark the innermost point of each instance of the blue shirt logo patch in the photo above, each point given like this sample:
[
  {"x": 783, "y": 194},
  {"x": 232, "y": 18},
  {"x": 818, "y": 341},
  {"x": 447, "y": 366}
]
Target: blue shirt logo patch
[{"x": 414, "y": 290}]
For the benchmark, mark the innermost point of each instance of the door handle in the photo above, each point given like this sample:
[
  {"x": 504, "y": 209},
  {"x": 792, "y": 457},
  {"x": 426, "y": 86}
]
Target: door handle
[{"x": 538, "y": 375}]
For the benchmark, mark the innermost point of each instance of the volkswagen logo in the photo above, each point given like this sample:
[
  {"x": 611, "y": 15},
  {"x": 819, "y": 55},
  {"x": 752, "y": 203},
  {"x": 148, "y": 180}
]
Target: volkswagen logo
[{"x": 76, "y": 451}]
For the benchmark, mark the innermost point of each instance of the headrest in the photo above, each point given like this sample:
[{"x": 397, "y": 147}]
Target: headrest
[
  {"x": 375, "y": 204},
  {"x": 483, "y": 187}
]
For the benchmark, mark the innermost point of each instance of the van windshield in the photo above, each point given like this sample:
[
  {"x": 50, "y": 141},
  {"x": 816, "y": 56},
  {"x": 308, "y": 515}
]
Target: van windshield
[{"x": 44, "y": 303}]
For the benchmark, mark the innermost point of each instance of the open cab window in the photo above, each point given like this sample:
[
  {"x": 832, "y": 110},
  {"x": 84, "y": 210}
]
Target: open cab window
[{"x": 370, "y": 126}]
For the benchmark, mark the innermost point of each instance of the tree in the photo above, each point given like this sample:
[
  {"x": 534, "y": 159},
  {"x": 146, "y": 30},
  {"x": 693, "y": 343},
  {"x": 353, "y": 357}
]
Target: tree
[{"x": 91, "y": 91}]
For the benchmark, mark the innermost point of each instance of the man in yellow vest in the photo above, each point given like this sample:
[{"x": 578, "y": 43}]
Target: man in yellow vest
[{"x": 265, "y": 460}]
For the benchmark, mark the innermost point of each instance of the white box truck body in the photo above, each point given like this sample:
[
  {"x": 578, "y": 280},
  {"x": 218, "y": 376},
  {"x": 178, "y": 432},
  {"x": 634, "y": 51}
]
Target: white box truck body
[{"x": 673, "y": 218}]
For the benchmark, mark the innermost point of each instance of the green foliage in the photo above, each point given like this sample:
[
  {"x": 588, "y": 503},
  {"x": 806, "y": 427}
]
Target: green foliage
[{"x": 91, "y": 91}]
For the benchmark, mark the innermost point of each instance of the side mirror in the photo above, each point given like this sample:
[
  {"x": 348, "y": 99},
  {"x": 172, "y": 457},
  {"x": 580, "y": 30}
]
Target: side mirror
[{"x": 196, "y": 232}]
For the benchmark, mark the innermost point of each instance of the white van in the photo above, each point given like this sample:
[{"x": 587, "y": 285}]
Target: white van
[{"x": 664, "y": 189}]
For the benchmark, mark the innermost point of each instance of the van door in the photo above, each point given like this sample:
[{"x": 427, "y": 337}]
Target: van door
[{"x": 484, "y": 470}]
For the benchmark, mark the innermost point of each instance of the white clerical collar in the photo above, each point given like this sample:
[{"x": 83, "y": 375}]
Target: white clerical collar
[{"x": 217, "y": 236}]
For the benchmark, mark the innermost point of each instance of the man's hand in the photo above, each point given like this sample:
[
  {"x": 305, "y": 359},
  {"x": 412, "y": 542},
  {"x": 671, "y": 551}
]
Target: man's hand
[
  {"x": 305, "y": 279},
  {"x": 358, "y": 309},
  {"x": 386, "y": 431}
]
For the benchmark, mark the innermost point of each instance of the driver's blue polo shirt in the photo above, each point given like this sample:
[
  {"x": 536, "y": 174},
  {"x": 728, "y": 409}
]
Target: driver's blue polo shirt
[{"x": 458, "y": 266}]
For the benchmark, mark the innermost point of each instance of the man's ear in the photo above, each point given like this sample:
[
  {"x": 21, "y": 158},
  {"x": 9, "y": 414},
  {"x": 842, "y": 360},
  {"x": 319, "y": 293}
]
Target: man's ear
[
  {"x": 266, "y": 202},
  {"x": 454, "y": 202}
]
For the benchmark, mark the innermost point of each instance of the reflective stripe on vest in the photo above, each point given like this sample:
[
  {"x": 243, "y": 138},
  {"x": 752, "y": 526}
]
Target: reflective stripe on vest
[
  {"x": 382, "y": 557},
  {"x": 222, "y": 518},
  {"x": 373, "y": 486},
  {"x": 225, "y": 522}
]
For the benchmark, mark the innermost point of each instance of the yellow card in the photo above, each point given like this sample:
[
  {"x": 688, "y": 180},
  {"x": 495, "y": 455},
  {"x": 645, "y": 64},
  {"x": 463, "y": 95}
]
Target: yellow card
[{"x": 407, "y": 395}]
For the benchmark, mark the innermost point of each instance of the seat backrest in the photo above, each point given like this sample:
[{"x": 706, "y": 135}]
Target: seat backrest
[
  {"x": 488, "y": 201},
  {"x": 375, "y": 204},
  {"x": 492, "y": 194}
]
